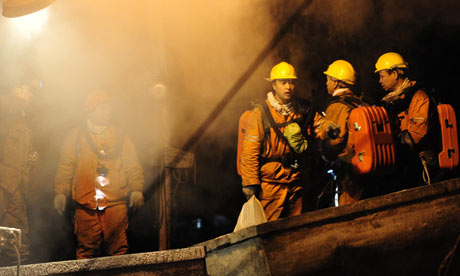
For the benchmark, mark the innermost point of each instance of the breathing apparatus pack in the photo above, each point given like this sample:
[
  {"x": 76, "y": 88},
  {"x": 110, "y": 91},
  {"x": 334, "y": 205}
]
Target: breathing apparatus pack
[{"x": 370, "y": 136}]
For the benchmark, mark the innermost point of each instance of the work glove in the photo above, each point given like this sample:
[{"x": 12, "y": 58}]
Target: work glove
[
  {"x": 251, "y": 190},
  {"x": 59, "y": 203},
  {"x": 318, "y": 122},
  {"x": 332, "y": 130},
  {"x": 406, "y": 139},
  {"x": 294, "y": 136},
  {"x": 136, "y": 200}
]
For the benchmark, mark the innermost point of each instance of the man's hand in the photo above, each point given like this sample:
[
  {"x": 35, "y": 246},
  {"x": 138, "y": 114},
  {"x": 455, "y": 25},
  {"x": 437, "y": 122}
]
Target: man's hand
[
  {"x": 332, "y": 130},
  {"x": 59, "y": 203},
  {"x": 136, "y": 200},
  {"x": 251, "y": 190}
]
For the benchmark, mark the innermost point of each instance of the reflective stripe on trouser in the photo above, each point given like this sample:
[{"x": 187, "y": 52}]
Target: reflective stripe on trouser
[
  {"x": 281, "y": 200},
  {"x": 106, "y": 228}
]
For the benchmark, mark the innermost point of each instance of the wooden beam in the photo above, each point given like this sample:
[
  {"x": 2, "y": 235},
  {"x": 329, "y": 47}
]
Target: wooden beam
[{"x": 165, "y": 211}]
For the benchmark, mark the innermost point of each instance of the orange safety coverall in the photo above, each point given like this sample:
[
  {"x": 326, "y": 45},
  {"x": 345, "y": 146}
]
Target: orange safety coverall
[
  {"x": 415, "y": 118},
  {"x": 281, "y": 190},
  {"x": 15, "y": 143},
  {"x": 101, "y": 214},
  {"x": 338, "y": 113},
  {"x": 411, "y": 115}
]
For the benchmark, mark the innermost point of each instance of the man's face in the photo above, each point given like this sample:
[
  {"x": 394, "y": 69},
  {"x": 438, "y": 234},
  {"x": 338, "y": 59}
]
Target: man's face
[
  {"x": 388, "y": 80},
  {"x": 284, "y": 90},
  {"x": 101, "y": 115},
  {"x": 331, "y": 85}
]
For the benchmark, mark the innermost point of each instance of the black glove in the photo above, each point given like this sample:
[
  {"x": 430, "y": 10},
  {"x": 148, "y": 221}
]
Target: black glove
[
  {"x": 333, "y": 131},
  {"x": 406, "y": 139},
  {"x": 251, "y": 190}
]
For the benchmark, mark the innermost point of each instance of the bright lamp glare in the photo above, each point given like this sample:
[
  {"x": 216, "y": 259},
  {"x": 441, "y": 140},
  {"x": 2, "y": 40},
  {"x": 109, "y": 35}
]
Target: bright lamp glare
[{"x": 30, "y": 25}]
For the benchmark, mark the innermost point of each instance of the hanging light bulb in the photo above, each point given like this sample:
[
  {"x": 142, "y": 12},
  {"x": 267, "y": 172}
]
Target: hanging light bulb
[
  {"x": 16, "y": 8},
  {"x": 30, "y": 25}
]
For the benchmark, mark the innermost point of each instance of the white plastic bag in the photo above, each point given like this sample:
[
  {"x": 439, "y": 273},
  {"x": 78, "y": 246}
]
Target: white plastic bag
[{"x": 252, "y": 213}]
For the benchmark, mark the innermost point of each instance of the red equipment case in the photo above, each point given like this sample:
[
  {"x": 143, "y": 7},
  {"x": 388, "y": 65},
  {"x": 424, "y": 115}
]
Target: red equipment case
[
  {"x": 448, "y": 157},
  {"x": 242, "y": 125},
  {"x": 370, "y": 131}
]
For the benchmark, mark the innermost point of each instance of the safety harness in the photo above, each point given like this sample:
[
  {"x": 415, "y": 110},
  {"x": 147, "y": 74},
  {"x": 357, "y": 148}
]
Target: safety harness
[
  {"x": 351, "y": 102},
  {"x": 101, "y": 155},
  {"x": 268, "y": 123}
]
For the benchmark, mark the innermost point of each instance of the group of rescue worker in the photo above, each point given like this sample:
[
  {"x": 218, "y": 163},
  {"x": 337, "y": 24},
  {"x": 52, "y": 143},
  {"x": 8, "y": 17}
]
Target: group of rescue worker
[
  {"x": 271, "y": 167},
  {"x": 98, "y": 169}
]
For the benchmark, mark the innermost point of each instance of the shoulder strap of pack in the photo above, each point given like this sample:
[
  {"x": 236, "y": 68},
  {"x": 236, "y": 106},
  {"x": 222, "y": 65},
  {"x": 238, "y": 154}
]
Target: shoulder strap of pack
[
  {"x": 351, "y": 102},
  {"x": 434, "y": 136},
  {"x": 303, "y": 108},
  {"x": 265, "y": 121},
  {"x": 409, "y": 94},
  {"x": 433, "y": 97},
  {"x": 116, "y": 151},
  {"x": 275, "y": 126}
]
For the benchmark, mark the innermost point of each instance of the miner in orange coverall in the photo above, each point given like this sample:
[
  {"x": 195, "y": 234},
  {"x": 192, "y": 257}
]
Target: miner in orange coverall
[
  {"x": 269, "y": 168},
  {"x": 332, "y": 129},
  {"x": 99, "y": 168},
  {"x": 16, "y": 158},
  {"x": 408, "y": 108}
]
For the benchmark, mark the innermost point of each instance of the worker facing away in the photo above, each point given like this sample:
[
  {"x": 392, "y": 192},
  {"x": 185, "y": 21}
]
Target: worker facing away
[{"x": 335, "y": 145}]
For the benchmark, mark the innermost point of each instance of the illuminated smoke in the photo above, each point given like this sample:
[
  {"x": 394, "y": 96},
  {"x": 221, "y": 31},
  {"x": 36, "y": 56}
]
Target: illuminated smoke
[
  {"x": 194, "y": 50},
  {"x": 30, "y": 25},
  {"x": 167, "y": 64}
]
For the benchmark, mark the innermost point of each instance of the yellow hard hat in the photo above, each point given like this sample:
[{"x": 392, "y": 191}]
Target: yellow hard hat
[
  {"x": 282, "y": 70},
  {"x": 390, "y": 61},
  {"x": 342, "y": 70}
]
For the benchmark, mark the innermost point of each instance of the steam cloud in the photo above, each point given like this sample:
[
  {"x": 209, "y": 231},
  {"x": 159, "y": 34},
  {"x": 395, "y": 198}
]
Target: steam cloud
[{"x": 196, "y": 50}]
